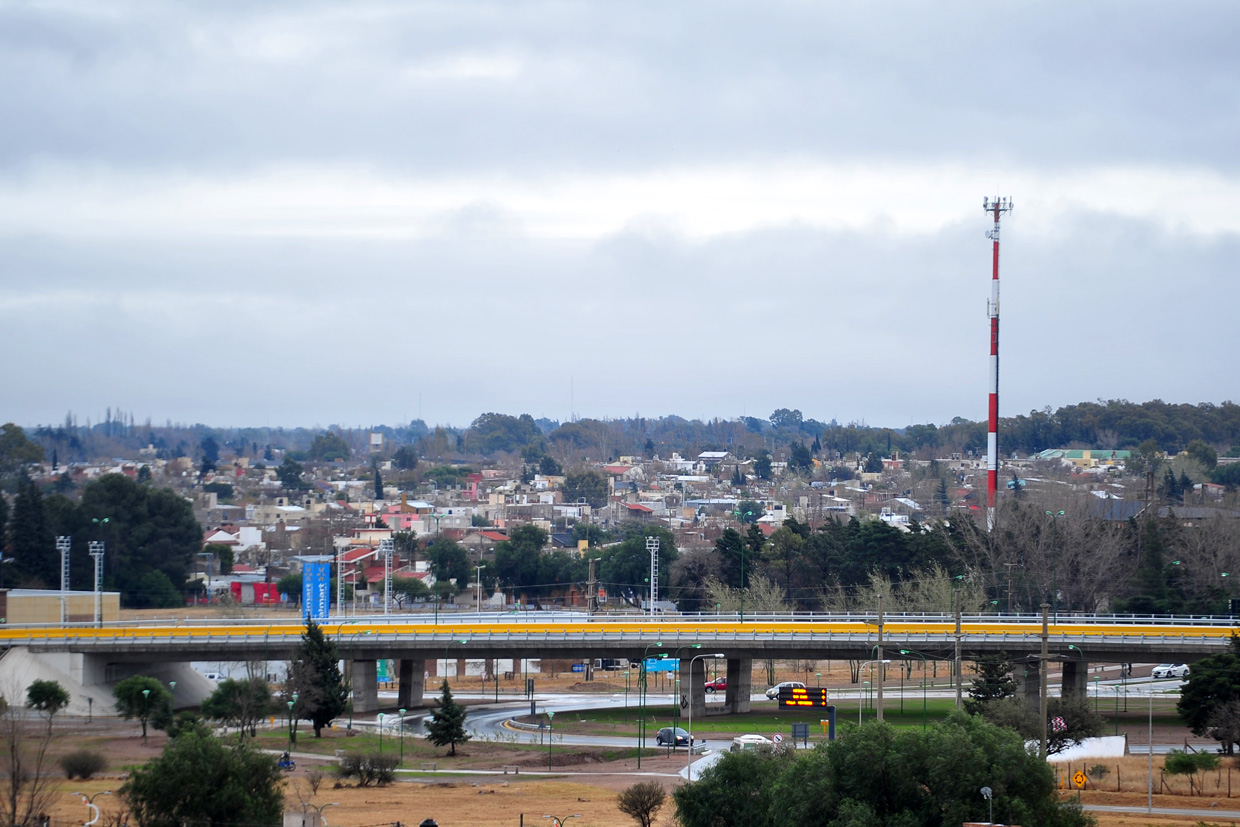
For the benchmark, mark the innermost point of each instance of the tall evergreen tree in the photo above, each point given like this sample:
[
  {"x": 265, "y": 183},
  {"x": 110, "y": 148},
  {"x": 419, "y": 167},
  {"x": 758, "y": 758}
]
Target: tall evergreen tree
[
  {"x": 314, "y": 676},
  {"x": 993, "y": 683},
  {"x": 31, "y": 543},
  {"x": 378, "y": 483},
  {"x": 446, "y": 726}
]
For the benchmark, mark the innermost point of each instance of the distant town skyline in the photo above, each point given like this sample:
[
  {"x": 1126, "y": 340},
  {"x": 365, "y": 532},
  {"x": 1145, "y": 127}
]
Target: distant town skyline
[{"x": 301, "y": 214}]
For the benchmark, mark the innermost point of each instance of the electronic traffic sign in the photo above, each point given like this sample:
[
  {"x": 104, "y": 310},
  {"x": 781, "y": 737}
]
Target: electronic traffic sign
[{"x": 803, "y": 697}]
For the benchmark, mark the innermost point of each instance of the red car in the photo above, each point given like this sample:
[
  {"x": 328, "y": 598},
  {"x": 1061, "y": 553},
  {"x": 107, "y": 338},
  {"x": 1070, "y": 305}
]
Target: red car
[{"x": 717, "y": 685}]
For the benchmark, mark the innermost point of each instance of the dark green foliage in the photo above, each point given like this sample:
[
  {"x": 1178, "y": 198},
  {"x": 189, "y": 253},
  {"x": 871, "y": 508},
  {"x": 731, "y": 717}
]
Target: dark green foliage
[
  {"x": 241, "y": 704},
  {"x": 369, "y": 770},
  {"x": 223, "y": 557},
  {"x": 494, "y": 432},
  {"x": 187, "y": 721},
  {"x": 1213, "y": 683},
  {"x": 48, "y": 697},
  {"x": 731, "y": 547},
  {"x": 762, "y": 465},
  {"x": 289, "y": 473},
  {"x": 201, "y": 781},
  {"x": 799, "y": 457},
  {"x": 223, "y": 490},
  {"x": 1150, "y": 579},
  {"x": 516, "y": 559},
  {"x": 877, "y": 776},
  {"x": 548, "y": 467},
  {"x": 748, "y": 511},
  {"x": 32, "y": 544},
  {"x": 405, "y": 458},
  {"x": 1228, "y": 475},
  {"x": 210, "y": 454},
  {"x": 588, "y": 485},
  {"x": 16, "y": 449},
  {"x": 328, "y": 447},
  {"x": 873, "y": 464},
  {"x": 378, "y": 484},
  {"x": 449, "y": 561},
  {"x": 993, "y": 683},
  {"x": 1203, "y": 452},
  {"x": 314, "y": 675},
  {"x": 446, "y": 726},
  {"x": 155, "y": 707},
  {"x": 82, "y": 763},
  {"x": 642, "y": 801},
  {"x": 1080, "y": 721}
]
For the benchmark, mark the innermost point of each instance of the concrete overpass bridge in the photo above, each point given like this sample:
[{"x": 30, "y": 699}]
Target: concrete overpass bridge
[{"x": 103, "y": 655}]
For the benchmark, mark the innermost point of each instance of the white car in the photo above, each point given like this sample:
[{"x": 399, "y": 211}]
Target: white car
[
  {"x": 1170, "y": 670},
  {"x": 773, "y": 692},
  {"x": 758, "y": 742}
]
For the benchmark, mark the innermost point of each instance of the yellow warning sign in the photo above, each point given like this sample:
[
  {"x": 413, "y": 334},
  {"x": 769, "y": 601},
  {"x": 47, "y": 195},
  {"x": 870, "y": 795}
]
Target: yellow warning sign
[{"x": 1079, "y": 779}]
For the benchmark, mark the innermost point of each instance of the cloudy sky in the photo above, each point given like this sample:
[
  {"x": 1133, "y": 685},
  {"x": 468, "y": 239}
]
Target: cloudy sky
[{"x": 309, "y": 213}]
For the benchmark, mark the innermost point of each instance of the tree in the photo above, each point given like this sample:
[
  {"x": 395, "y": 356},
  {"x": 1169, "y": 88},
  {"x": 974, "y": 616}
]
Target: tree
[
  {"x": 446, "y": 726},
  {"x": 449, "y": 562},
  {"x": 1203, "y": 452},
  {"x": 1213, "y": 683},
  {"x": 762, "y": 465},
  {"x": 548, "y": 467},
  {"x": 735, "y": 791},
  {"x": 642, "y": 801},
  {"x": 32, "y": 545},
  {"x": 799, "y": 457},
  {"x": 222, "y": 554},
  {"x": 873, "y": 464},
  {"x": 314, "y": 676},
  {"x": 590, "y": 486},
  {"x": 993, "y": 683},
  {"x": 328, "y": 447},
  {"x": 405, "y": 458},
  {"x": 48, "y": 697},
  {"x": 289, "y": 473},
  {"x": 378, "y": 483},
  {"x": 1069, "y": 721},
  {"x": 26, "y": 788},
  {"x": 408, "y": 589},
  {"x": 784, "y": 418},
  {"x": 1179, "y": 762},
  {"x": 201, "y": 781},
  {"x": 210, "y": 454},
  {"x": 16, "y": 449},
  {"x": 241, "y": 704},
  {"x": 146, "y": 699}
]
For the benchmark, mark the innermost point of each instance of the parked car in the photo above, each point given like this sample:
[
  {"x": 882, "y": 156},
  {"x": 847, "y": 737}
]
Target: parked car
[
  {"x": 742, "y": 742},
  {"x": 1170, "y": 670},
  {"x": 717, "y": 685},
  {"x": 675, "y": 736},
  {"x": 773, "y": 692}
]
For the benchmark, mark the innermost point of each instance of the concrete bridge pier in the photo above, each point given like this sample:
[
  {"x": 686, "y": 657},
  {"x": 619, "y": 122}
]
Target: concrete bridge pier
[
  {"x": 1075, "y": 681},
  {"x": 364, "y": 676},
  {"x": 740, "y": 685},
  {"x": 692, "y": 674},
  {"x": 412, "y": 685}
]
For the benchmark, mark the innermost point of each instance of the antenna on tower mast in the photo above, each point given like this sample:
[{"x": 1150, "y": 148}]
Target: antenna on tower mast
[{"x": 997, "y": 207}]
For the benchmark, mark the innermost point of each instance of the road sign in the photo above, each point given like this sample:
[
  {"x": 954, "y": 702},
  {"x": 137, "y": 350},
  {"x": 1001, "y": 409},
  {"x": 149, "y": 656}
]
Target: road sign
[
  {"x": 779, "y": 739},
  {"x": 579, "y": 667},
  {"x": 1079, "y": 779},
  {"x": 684, "y": 701},
  {"x": 802, "y": 696}
]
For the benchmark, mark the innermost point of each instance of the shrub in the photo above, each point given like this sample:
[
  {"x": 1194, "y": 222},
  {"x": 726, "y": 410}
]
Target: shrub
[
  {"x": 82, "y": 764},
  {"x": 375, "y": 769}
]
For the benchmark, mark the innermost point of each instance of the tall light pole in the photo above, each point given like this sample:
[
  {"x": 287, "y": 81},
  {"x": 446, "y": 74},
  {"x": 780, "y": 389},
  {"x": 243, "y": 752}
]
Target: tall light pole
[
  {"x": 97, "y": 549},
  {"x": 63, "y": 545},
  {"x": 320, "y": 808},
  {"x": 380, "y": 733},
  {"x": 743, "y": 517},
  {"x": 480, "y": 567},
  {"x": 642, "y": 681},
  {"x": 652, "y": 547},
  {"x": 1055, "y": 515},
  {"x": 402, "y": 734},
  {"x": 550, "y": 731},
  {"x": 291, "y": 738},
  {"x": 89, "y": 801},
  {"x": 386, "y": 547},
  {"x": 146, "y": 712},
  {"x": 689, "y": 757},
  {"x": 923, "y": 683},
  {"x": 675, "y": 694},
  {"x": 558, "y": 821},
  {"x": 172, "y": 686}
]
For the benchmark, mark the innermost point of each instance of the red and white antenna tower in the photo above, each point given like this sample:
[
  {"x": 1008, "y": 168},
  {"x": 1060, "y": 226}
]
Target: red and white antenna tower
[{"x": 997, "y": 207}]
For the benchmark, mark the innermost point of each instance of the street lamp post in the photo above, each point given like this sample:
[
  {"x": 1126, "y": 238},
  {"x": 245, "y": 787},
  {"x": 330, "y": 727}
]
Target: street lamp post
[
  {"x": 480, "y": 567},
  {"x": 743, "y": 517},
  {"x": 689, "y": 757},
  {"x": 380, "y": 733},
  {"x": 558, "y": 821},
  {"x": 146, "y": 713},
  {"x": 402, "y": 734},
  {"x": 923, "y": 684},
  {"x": 172, "y": 685},
  {"x": 292, "y": 737},
  {"x": 550, "y": 731},
  {"x": 642, "y": 681},
  {"x": 89, "y": 801},
  {"x": 677, "y": 698},
  {"x": 1055, "y": 515},
  {"x": 320, "y": 808}
]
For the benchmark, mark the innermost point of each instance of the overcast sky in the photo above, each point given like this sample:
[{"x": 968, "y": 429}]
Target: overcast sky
[{"x": 308, "y": 213}]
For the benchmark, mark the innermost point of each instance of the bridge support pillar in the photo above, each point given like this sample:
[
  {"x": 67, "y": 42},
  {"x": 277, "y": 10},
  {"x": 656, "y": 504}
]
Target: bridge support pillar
[
  {"x": 412, "y": 683},
  {"x": 692, "y": 674},
  {"x": 1075, "y": 681},
  {"x": 1028, "y": 683},
  {"x": 740, "y": 685},
  {"x": 365, "y": 678}
]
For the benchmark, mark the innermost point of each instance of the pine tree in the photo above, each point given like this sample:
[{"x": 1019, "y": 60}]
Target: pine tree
[
  {"x": 378, "y": 484},
  {"x": 993, "y": 683},
  {"x": 31, "y": 543},
  {"x": 446, "y": 726},
  {"x": 314, "y": 676}
]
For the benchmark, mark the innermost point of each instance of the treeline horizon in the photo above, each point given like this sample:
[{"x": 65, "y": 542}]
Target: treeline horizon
[{"x": 1110, "y": 424}]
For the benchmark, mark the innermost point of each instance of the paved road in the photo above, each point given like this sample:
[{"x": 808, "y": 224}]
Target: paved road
[{"x": 1163, "y": 811}]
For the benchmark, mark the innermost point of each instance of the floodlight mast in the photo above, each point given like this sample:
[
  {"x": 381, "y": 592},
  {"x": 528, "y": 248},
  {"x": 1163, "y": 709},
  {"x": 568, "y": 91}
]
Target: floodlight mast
[{"x": 996, "y": 207}]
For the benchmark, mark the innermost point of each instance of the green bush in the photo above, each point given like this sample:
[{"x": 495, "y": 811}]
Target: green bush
[
  {"x": 375, "y": 769},
  {"x": 82, "y": 763}
]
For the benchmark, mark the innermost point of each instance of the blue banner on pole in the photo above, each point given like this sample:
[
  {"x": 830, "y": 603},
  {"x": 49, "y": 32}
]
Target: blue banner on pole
[
  {"x": 662, "y": 664},
  {"x": 315, "y": 593}
]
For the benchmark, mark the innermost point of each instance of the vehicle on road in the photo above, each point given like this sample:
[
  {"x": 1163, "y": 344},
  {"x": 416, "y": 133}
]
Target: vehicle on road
[
  {"x": 286, "y": 763},
  {"x": 742, "y": 742},
  {"x": 1170, "y": 670},
  {"x": 773, "y": 692},
  {"x": 674, "y": 736},
  {"x": 717, "y": 685}
]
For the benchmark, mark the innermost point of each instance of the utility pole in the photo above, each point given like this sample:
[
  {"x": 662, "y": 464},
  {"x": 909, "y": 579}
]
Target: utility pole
[
  {"x": 997, "y": 208},
  {"x": 1042, "y": 672},
  {"x": 1009, "y": 568},
  {"x": 591, "y": 589},
  {"x": 652, "y": 546},
  {"x": 878, "y": 679},
  {"x": 956, "y": 669}
]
